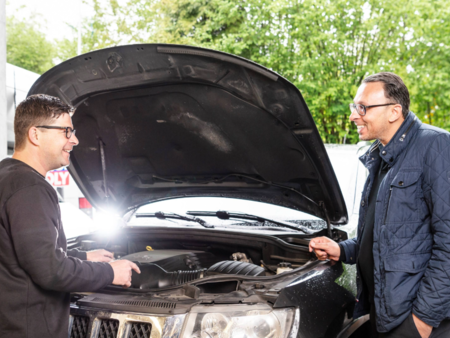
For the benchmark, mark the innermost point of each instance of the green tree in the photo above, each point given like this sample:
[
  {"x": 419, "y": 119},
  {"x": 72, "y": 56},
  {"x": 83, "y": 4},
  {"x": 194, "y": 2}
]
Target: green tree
[
  {"x": 27, "y": 46},
  {"x": 429, "y": 56},
  {"x": 104, "y": 29},
  {"x": 324, "y": 47}
]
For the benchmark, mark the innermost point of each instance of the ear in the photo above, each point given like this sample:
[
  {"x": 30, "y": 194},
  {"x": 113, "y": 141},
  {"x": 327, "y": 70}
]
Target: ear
[
  {"x": 395, "y": 113},
  {"x": 33, "y": 136}
]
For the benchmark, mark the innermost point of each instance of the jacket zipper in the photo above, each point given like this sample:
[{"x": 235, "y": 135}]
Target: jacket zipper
[
  {"x": 375, "y": 146},
  {"x": 402, "y": 138},
  {"x": 388, "y": 202}
]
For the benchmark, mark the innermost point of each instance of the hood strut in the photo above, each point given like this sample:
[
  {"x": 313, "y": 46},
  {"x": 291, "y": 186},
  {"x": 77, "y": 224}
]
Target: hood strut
[
  {"x": 327, "y": 218},
  {"x": 102, "y": 157}
]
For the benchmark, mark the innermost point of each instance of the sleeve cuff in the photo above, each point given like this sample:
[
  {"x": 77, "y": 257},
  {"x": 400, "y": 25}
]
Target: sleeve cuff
[
  {"x": 430, "y": 319},
  {"x": 342, "y": 256},
  {"x": 111, "y": 274},
  {"x": 77, "y": 254}
]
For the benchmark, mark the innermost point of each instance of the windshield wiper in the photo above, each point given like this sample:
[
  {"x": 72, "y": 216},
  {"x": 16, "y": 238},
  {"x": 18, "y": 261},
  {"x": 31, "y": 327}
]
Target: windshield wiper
[
  {"x": 228, "y": 215},
  {"x": 171, "y": 215}
]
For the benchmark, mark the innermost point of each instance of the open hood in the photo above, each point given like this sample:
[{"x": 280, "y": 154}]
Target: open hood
[{"x": 165, "y": 121}]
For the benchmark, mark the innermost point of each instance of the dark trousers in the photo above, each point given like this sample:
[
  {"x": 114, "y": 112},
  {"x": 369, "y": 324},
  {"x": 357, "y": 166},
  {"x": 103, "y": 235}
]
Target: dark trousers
[{"x": 408, "y": 329}]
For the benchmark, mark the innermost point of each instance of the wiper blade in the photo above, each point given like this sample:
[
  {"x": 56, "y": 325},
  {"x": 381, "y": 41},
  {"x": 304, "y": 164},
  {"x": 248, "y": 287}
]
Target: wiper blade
[
  {"x": 171, "y": 215},
  {"x": 228, "y": 215}
]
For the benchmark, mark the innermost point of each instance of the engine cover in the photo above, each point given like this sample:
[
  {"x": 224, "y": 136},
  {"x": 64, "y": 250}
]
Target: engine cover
[{"x": 174, "y": 260}]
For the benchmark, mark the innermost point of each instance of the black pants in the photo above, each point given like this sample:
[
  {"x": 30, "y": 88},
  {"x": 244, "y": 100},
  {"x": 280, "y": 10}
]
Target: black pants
[{"x": 408, "y": 329}]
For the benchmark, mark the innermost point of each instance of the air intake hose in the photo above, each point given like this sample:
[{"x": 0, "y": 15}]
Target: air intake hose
[
  {"x": 235, "y": 268},
  {"x": 152, "y": 276}
]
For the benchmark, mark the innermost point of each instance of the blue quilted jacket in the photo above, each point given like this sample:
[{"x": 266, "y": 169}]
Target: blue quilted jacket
[{"x": 411, "y": 239}]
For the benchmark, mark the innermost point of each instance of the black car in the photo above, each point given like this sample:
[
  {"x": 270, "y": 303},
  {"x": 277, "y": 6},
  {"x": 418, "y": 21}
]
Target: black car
[{"x": 220, "y": 176}]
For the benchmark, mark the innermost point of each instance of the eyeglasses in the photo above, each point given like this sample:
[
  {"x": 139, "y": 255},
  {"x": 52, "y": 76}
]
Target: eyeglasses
[
  {"x": 69, "y": 131},
  {"x": 361, "y": 109}
]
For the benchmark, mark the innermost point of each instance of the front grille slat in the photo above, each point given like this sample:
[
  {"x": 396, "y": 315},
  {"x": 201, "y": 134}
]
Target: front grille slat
[
  {"x": 108, "y": 328},
  {"x": 140, "y": 330},
  {"x": 79, "y": 327}
]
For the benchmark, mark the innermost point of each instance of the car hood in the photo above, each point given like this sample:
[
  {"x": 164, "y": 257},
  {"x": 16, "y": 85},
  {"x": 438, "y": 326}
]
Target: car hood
[{"x": 162, "y": 121}]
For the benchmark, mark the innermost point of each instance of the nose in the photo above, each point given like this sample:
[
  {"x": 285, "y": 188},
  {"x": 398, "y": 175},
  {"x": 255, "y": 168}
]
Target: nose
[
  {"x": 354, "y": 116},
  {"x": 74, "y": 140}
]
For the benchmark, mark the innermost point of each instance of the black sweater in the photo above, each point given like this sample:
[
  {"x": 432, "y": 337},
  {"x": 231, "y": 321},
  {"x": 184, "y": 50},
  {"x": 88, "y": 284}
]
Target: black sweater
[{"x": 36, "y": 271}]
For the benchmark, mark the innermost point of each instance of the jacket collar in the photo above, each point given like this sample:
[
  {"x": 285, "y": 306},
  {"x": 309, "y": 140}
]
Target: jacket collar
[{"x": 399, "y": 142}]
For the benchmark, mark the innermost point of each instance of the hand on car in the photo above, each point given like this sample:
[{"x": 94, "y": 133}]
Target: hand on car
[
  {"x": 100, "y": 255},
  {"x": 325, "y": 248},
  {"x": 423, "y": 328},
  {"x": 122, "y": 272}
]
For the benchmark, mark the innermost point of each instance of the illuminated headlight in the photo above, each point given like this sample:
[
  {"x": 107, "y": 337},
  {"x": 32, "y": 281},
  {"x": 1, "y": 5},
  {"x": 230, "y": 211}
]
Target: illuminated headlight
[{"x": 240, "y": 321}]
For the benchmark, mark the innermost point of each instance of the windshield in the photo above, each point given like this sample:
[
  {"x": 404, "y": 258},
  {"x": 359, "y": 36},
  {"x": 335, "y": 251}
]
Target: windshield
[
  {"x": 349, "y": 172},
  {"x": 214, "y": 204}
]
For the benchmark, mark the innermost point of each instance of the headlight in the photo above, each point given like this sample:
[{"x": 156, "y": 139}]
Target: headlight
[{"x": 240, "y": 321}]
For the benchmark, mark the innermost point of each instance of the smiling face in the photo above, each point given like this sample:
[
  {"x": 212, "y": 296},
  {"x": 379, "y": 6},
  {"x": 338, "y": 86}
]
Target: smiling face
[
  {"x": 379, "y": 122},
  {"x": 55, "y": 147}
]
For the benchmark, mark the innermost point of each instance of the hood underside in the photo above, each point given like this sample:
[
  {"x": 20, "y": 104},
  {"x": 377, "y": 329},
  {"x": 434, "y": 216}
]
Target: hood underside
[{"x": 165, "y": 121}]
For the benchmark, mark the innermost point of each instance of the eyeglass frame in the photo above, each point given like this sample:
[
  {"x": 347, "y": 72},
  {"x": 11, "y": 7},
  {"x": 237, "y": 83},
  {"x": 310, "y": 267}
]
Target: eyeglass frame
[
  {"x": 67, "y": 129},
  {"x": 365, "y": 107}
]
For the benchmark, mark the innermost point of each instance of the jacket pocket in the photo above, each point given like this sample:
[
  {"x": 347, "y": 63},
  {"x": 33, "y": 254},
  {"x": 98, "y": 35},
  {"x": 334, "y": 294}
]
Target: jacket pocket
[
  {"x": 403, "y": 273},
  {"x": 411, "y": 262},
  {"x": 403, "y": 195}
]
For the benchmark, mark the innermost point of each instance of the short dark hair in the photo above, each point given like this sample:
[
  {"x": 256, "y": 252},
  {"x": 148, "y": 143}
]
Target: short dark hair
[
  {"x": 394, "y": 88},
  {"x": 37, "y": 110}
]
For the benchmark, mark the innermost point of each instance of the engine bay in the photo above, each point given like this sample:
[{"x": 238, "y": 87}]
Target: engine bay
[
  {"x": 183, "y": 270},
  {"x": 169, "y": 258}
]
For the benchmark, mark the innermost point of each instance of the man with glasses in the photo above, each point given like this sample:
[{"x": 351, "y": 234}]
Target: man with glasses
[
  {"x": 37, "y": 272},
  {"x": 402, "y": 248}
]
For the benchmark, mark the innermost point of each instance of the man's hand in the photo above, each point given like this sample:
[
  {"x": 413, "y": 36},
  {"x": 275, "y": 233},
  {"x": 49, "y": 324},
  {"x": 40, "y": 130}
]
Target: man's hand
[
  {"x": 99, "y": 256},
  {"x": 122, "y": 272},
  {"x": 325, "y": 248},
  {"x": 423, "y": 328}
]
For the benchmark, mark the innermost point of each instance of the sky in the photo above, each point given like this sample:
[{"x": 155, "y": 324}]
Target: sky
[{"x": 57, "y": 15}]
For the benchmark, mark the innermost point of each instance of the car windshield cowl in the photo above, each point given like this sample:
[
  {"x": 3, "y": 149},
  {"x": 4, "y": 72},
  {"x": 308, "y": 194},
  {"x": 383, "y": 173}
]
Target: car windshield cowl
[{"x": 225, "y": 215}]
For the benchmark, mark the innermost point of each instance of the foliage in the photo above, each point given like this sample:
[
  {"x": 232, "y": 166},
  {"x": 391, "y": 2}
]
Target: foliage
[
  {"x": 26, "y": 46},
  {"x": 98, "y": 31},
  {"x": 429, "y": 54},
  {"x": 324, "y": 47}
]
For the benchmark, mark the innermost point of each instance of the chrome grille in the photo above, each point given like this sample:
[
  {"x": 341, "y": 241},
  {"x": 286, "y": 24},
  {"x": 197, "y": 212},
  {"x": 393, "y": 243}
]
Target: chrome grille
[
  {"x": 108, "y": 328},
  {"x": 79, "y": 327},
  {"x": 140, "y": 330}
]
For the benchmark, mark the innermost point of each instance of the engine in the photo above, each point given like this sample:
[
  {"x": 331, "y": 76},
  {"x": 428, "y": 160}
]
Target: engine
[{"x": 163, "y": 268}]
